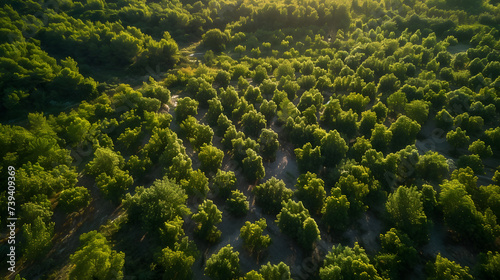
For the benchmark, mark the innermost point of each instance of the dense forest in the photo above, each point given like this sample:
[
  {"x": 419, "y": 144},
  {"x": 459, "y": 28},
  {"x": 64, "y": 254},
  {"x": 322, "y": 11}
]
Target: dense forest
[{"x": 250, "y": 139}]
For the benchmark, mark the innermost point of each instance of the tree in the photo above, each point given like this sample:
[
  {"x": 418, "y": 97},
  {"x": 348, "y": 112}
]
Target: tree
[
  {"x": 177, "y": 264},
  {"x": 180, "y": 168},
  {"x": 347, "y": 263},
  {"x": 311, "y": 191},
  {"x": 269, "y": 144},
  {"x": 406, "y": 212},
  {"x": 253, "y": 95},
  {"x": 204, "y": 93},
  {"x": 223, "y": 124},
  {"x": 270, "y": 194},
  {"x": 355, "y": 101},
  {"x": 279, "y": 271},
  {"x": 229, "y": 99},
  {"x": 308, "y": 158},
  {"x": 224, "y": 183},
  {"x": 196, "y": 184},
  {"x": 333, "y": 148},
  {"x": 155, "y": 90},
  {"x": 171, "y": 232},
  {"x": 347, "y": 123},
  {"x": 202, "y": 135},
  {"x": 237, "y": 204},
  {"x": 381, "y": 110},
  {"x": 457, "y": 138},
  {"x": 397, "y": 254},
  {"x": 230, "y": 135},
  {"x": 253, "y": 122},
  {"x": 429, "y": 201},
  {"x": 359, "y": 148},
  {"x": 37, "y": 239},
  {"x": 479, "y": 148},
  {"x": 240, "y": 49},
  {"x": 268, "y": 109},
  {"x": 432, "y": 166},
  {"x": 417, "y": 110},
  {"x": 153, "y": 206},
  {"x": 466, "y": 177},
  {"x": 447, "y": 270},
  {"x": 222, "y": 78},
  {"x": 310, "y": 234},
  {"x": 251, "y": 275},
  {"x": 388, "y": 83},
  {"x": 185, "y": 107},
  {"x": 459, "y": 211},
  {"x": 214, "y": 111},
  {"x": 253, "y": 238},
  {"x": 336, "y": 211},
  {"x": 268, "y": 88},
  {"x": 472, "y": 161},
  {"x": 240, "y": 146},
  {"x": 310, "y": 98},
  {"x": 444, "y": 120},
  {"x": 115, "y": 186},
  {"x": 404, "y": 131},
  {"x": 252, "y": 166},
  {"x": 225, "y": 265},
  {"x": 330, "y": 112},
  {"x": 215, "y": 40},
  {"x": 260, "y": 74},
  {"x": 489, "y": 265},
  {"x": 95, "y": 259},
  {"x": 397, "y": 102},
  {"x": 367, "y": 123},
  {"x": 210, "y": 159},
  {"x": 105, "y": 161},
  {"x": 381, "y": 137},
  {"x": 294, "y": 220},
  {"x": 74, "y": 199},
  {"x": 284, "y": 69},
  {"x": 355, "y": 190},
  {"x": 207, "y": 217},
  {"x": 39, "y": 207}
]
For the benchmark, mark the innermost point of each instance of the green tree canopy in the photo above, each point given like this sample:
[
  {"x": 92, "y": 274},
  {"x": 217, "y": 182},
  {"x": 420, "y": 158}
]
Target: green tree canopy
[
  {"x": 270, "y": 194},
  {"x": 269, "y": 144},
  {"x": 177, "y": 264},
  {"x": 446, "y": 269},
  {"x": 279, "y": 271},
  {"x": 237, "y": 204},
  {"x": 333, "y": 148},
  {"x": 215, "y": 40},
  {"x": 224, "y": 265},
  {"x": 404, "y": 131},
  {"x": 37, "y": 239},
  {"x": 336, "y": 211},
  {"x": 406, "y": 212},
  {"x": 347, "y": 263},
  {"x": 210, "y": 158},
  {"x": 311, "y": 191},
  {"x": 95, "y": 259},
  {"x": 253, "y": 238},
  {"x": 224, "y": 182},
  {"x": 161, "y": 202},
  {"x": 74, "y": 199},
  {"x": 207, "y": 217},
  {"x": 252, "y": 166}
]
